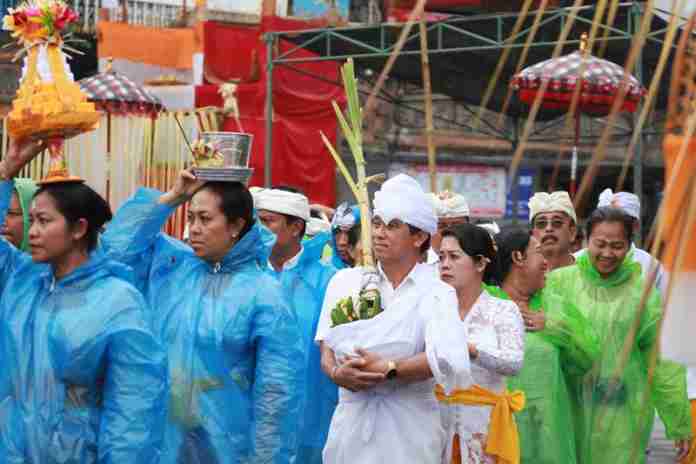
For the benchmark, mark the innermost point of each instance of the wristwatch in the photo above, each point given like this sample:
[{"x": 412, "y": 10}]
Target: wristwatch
[{"x": 391, "y": 370}]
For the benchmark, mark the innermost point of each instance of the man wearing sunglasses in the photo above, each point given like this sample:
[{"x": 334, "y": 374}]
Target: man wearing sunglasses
[{"x": 554, "y": 224}]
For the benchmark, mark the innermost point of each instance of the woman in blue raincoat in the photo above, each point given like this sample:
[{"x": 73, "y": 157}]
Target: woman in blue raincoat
[
  {"x": 83, "y": 380},
  {"x": 233, "y": 342}
]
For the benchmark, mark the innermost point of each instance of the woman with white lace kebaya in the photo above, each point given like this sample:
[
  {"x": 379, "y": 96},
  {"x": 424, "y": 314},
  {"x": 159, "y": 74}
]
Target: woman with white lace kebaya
[{"x": 476, "y": 407}]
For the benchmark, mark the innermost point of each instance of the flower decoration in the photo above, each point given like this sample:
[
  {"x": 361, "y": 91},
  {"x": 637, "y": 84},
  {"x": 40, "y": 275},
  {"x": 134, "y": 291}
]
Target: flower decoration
[
  {"x": 207, "y": 155},
  {"x": 41, "y": 21}
]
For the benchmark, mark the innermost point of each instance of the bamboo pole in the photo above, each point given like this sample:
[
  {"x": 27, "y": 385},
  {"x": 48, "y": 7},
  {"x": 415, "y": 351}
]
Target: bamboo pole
[
  {"x": 600, "y": 151},
  {"x": 521, "y": 146},
  {"x": 427, "y": 87},
  {"x": 371, "y": 102},
  {"x": 652, "y": 91},
  {"x": 523, "y": 58},
  {"x": 493, "y": 81},
  {"x": 352, "y": 131}
]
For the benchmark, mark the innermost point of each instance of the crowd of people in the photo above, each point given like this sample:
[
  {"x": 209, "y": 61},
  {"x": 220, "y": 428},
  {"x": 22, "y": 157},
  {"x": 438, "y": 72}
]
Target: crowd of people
[{"x": 121, "y": 344}]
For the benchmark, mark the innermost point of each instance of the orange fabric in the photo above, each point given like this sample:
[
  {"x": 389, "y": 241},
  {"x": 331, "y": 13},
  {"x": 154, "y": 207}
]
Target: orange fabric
[
  {"x": 456, "y": 450},
  {"x": 691, "y": 457},
  {"x": 503, "y": 439},
  {"x": 674, "y": 203},
  {"x": 170, "y": 48}
]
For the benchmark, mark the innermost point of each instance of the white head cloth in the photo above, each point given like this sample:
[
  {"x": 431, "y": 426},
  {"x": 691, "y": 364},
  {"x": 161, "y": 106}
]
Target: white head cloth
[
  {"x": 316, "y": 226},
  {"x": 401, "y": 197},
  {"x": 280, "y": 201},
  {"x": 449, "y": 204},
  {"x": 492, "y": 227},
  {"x": 343, "y": 217},
  {"x": 543, "y": 202},
  {"x": 628, "y": 202}
]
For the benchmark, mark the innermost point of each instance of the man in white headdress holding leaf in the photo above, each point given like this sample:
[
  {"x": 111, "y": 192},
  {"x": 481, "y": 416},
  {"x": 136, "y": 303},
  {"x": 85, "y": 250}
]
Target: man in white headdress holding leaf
[{"x": 385, "y": 364}]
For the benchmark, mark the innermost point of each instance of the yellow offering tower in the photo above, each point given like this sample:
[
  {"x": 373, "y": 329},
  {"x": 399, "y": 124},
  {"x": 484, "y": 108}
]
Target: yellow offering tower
[{"x": 49, "y": 104}]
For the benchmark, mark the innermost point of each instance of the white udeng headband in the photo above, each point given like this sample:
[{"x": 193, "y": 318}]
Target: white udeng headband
[
  {"x": 628, "y": 202},
  {"x": 543, "y": 202},
  {"x": 343, "y": 217},
  {"x": 282, "y": 202},
  {"x": 401, "y": 197},
  {"x": 449, "y": 205}
]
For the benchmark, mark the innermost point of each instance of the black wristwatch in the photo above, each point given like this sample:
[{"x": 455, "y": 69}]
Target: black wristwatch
[{"x": 391, "y": 370}]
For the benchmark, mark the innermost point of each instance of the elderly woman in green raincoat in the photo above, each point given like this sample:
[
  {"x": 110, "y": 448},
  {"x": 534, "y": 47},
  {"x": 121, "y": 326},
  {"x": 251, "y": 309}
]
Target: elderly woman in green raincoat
[
  {"x": 15, "y": 228},
  {"x": 617, "y": 384}
]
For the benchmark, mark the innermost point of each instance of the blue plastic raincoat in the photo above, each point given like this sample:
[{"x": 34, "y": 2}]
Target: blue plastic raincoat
[
  {"x": 83, "y": 380},
  {"x": 233, "y": 342},
  {"x": 304, "y": 285}
]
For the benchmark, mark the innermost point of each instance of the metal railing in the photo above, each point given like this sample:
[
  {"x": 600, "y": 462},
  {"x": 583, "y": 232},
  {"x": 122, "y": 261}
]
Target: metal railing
[{"x": 143, "y": 13}]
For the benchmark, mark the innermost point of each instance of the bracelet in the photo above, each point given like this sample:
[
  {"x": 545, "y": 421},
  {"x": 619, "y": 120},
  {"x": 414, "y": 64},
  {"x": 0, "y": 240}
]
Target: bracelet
[{"x": 333, "y": 373}]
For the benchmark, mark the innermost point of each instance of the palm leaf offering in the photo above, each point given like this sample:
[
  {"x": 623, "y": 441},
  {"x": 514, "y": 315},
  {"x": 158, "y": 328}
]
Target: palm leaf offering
[{"x": 368, "y": 304}]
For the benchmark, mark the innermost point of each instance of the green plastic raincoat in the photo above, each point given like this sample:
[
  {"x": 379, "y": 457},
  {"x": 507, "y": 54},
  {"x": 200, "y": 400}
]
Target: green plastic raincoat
[
  {"x": 25, "y": 188},
  {"x": 545, "y": 424},
  {"x": 612, "y": 399}
]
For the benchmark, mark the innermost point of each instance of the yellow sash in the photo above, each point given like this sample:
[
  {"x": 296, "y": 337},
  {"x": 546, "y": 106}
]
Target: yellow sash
[{"x": 503, "y": 439}]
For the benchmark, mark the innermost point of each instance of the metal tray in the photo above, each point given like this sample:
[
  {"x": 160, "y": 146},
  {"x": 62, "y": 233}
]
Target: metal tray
[{"x": 223, "y": 174}]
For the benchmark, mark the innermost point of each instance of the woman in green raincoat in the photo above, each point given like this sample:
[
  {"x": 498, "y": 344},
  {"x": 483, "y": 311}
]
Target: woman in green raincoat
[
  {"x": 612, "y": 395},
  {"x": 545, "y": 424},
  {"x": 15, "y": 229}
]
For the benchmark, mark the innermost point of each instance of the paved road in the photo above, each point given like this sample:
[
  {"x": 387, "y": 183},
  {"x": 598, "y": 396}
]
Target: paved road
[{"x": 661, "y": 449}]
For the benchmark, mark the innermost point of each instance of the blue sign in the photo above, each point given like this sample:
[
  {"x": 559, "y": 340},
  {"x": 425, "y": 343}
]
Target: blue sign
[{"x": 525, "y": 190}]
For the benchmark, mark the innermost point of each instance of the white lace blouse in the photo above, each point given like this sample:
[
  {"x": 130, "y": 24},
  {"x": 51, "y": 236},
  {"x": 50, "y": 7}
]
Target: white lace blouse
[{"x": 496, "y": 328}]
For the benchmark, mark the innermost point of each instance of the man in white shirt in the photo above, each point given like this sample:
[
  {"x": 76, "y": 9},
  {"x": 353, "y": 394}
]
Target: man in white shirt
[
  {"x": 451, "y": 209},
  {"x": 629, "y": 203},
  {"x": 387, "y": 411}
]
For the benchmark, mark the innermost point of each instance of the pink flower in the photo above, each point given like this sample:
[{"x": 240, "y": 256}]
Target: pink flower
[{"x": 32, "y": 11}]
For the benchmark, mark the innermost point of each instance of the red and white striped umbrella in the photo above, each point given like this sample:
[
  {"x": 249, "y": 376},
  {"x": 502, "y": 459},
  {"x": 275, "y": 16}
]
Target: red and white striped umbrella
[
  {"x": 117, "y": 94},
  {"x": 600, "y": 80}
]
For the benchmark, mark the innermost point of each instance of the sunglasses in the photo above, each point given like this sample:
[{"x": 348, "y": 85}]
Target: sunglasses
[{"x": 542, "y": 224}]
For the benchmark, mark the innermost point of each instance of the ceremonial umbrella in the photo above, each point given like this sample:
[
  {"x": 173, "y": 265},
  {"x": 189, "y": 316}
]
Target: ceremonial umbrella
[
  {"x": 599, "y": 81},
  {"x": 116, "y": 94}
]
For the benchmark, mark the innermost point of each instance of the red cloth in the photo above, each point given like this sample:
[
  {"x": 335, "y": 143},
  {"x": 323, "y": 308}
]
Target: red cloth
[
  {"x": 302, "y": 108},
  {"x": 223, "y": 45}
]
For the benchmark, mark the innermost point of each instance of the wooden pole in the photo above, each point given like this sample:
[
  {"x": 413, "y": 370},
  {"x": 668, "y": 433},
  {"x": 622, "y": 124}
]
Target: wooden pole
[{"x": 427, "y": 87}]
